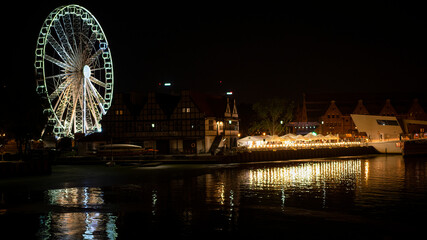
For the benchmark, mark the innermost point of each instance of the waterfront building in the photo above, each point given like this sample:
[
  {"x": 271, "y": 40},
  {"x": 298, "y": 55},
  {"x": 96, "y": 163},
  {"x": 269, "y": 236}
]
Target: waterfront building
[
  {"x": 388, "y": 109},
  {"x": 301, "y": 124},
  {"x": 189, "y": 122},
  {"x": 336, "y": 120}
]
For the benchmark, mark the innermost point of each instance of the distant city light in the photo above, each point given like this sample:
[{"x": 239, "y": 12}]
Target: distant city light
[
  {"x": 168, "y": 84},
  {"x": 229, "y": 93}
]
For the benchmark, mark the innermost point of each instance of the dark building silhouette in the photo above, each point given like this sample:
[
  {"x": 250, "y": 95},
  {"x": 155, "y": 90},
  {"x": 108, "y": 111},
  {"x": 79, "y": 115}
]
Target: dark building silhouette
[
  {"x": 189, "y": 122},
  {"x": 337, "y": 120},
  {"x": 301, "y": 125}
]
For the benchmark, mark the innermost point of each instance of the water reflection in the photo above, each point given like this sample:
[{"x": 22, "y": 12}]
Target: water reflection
[
  {"x": 79, "y": 223},
  {"x": 306, "y": 174},
  {"x": 284, "y": 197},
  {"x": 76, "y": 197}
]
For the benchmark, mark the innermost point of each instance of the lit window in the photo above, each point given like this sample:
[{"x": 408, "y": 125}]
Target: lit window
[
  {"x": 387, "y": 122},
  {"x": 186, "y": 110}
]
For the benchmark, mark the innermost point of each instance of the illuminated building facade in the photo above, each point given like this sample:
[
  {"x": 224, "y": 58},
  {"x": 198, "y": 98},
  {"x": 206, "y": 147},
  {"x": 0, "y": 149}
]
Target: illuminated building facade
[
  {"x": 301, "y": 125},
  {"x": 190, "y": 122},
  {"x": 336, "y": 119}
]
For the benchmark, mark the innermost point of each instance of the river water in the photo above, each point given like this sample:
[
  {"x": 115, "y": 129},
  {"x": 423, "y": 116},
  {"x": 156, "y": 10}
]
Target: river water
[{"x": 381, "y": 197}]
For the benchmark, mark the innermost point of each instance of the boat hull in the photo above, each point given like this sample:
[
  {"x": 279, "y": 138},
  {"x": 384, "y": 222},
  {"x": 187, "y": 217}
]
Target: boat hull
[{"x": 393, "y": 147}]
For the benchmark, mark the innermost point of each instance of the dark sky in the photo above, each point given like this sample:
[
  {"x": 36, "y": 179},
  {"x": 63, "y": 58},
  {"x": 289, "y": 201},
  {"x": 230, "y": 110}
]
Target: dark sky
[{"x": 256, "y": 51}]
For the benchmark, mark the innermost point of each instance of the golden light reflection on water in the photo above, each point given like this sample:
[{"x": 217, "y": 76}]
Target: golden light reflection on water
[
  {"x": 77, "y": 225},
  {"x": 308, "y": 173}
]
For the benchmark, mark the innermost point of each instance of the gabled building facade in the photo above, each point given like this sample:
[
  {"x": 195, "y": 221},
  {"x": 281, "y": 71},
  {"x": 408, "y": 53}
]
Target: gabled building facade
[
  {"x": 187, "y": 123},
  {"x": 336, "y": 122}
]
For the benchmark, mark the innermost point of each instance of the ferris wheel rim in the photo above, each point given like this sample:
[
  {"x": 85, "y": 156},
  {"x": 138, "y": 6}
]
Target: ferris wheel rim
[{"x": 51, "y": 23}]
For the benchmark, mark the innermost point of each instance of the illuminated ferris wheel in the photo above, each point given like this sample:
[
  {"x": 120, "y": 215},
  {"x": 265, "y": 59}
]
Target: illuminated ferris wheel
[{"x": 74, "y": 71}]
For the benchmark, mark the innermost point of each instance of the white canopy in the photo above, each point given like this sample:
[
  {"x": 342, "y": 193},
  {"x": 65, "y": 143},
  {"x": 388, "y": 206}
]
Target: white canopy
[
  {"x": 275, "y": 138},
  {"x": 299, "y": 137},
  {"x": 250, "y": 139},
  {"x": 310, "y": 136},
  {"x": 289, "y": 135},
  {"x": 331, "y": 137}
]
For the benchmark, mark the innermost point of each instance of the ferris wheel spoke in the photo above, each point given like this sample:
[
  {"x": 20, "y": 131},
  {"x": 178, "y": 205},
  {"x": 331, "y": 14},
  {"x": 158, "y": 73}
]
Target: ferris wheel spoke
[
  {"x": 69, "y": 30},
  {"x": 99, "y": 99},
  {"x": 62, "y": 104},
  {"x": 62, "y": 75},
  {"x": 68, "y": 122},
  {"x": 88, "y": 43},
  {"x": 58, "y": 48},
  {"x": 92, "y": 107},
  {"x": 57, "y": 62},
  {"x": 96, "y": 93},
  {"x": 95, "y": 101},
  {"x": 91, "y": 41},
  {"x": 94, "y": 57},
  {"x": 97, "y": 69},
  {"x": 65, "y": 84},
  {"x": 76, "y": 27},
  {"x": 62, "y": 37},
  {"x": 98, "y": 82},
  {"x": 73, "y": 114}
]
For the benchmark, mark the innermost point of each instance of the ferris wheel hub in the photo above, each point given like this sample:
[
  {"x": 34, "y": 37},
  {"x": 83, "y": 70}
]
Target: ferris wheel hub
[{"x": 86, "y": 71}]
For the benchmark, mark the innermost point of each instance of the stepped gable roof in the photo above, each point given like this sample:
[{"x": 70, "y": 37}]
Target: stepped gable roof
[
  {"x": 210, "y": 105},
  {"x": 416, "y": 107},
  {"x": 416, "y": 111},
  {"x": 360, "y": 108},
  {"x": 135, "y": 101},
  {"x": 167, "y": 102},
  {"x": 121, "y": 101},
  {"x": 317, "y": 104}
]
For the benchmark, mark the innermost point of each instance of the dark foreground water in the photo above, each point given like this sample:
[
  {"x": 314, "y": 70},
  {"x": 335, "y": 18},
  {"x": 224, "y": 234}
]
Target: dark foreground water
[{"x": 341, "y": 198}]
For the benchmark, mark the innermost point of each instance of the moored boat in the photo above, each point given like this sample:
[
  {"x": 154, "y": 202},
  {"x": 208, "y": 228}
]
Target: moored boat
[
  {"x": 387, "y": 146},
  {"x": 383, "y": 132},
  {"x": 122, "y": 150}
]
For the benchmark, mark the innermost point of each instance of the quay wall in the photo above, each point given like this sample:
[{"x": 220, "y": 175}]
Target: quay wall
[
  {"x": 288, "y": 154},
  {"x": 36, "y": 163}
]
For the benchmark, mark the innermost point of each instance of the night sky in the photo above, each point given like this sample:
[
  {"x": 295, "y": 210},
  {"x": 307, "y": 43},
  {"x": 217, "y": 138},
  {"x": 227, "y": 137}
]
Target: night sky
[{"x": 256, "y": 51}]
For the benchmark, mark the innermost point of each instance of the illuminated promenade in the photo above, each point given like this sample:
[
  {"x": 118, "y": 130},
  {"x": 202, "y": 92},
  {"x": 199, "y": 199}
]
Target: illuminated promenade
[{"x": 312, "y": 145}]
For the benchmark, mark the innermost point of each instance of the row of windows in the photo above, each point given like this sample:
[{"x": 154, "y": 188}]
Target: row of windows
[
  {"x": 156, "y": 113},
  {"x": 156, "y": 126}
]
